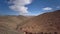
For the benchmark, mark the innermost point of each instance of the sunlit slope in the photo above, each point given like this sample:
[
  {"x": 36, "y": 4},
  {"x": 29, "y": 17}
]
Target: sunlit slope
[
  {"x": 12, "y": 21},
  {"x": 47, "y": 22}
]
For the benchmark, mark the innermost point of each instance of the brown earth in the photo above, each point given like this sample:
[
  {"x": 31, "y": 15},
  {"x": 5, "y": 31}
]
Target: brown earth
[
  {"x": 47, "y": 22},
  {"x": 10, "y": 24},
  {"x": 12, "y": 21},
  {"x": 4, "y": 30}
]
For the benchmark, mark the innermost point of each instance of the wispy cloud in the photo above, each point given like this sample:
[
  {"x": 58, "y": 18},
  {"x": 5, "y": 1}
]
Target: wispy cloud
[
  {"x": 47, "y": 8},
  {"x": 58, "y": 7},
  {"x": 19, "y": 5}
]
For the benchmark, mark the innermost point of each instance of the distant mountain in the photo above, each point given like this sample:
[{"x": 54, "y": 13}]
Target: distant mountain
[{"x": 47, "y": 22}]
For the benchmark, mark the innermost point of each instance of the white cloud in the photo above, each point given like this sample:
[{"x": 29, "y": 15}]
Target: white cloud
[
  {"x": 19, "y": 5},
  {"x": 47, "y": 8}
]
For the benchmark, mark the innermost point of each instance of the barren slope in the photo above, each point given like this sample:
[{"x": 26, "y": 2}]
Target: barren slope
[
  {"x": 47, "y": 22},
  {"x": 12, "y": 21}
]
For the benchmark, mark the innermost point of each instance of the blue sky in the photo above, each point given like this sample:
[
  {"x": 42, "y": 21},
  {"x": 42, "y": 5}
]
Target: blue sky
[{"x": 28, "y": 7}]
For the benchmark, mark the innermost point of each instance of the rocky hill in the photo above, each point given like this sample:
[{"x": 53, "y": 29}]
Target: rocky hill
[
  {"x": 47, "y": 22},
  {"x": 12, "y": 22}
]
